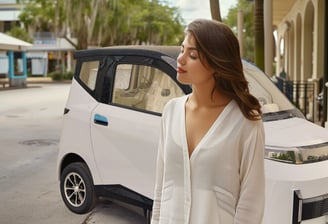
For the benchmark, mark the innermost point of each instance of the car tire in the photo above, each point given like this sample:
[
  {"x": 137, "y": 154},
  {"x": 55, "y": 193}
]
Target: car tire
[{"x": 77, "y": 189}]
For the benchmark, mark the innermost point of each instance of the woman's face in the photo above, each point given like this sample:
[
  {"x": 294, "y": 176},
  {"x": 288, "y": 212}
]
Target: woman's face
[{"x": 191, "y": 69}]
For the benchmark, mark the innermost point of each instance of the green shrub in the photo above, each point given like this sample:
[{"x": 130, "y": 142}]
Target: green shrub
[
  {"x": 68, "y": 75},
  {"x": 56, "y": 75}
]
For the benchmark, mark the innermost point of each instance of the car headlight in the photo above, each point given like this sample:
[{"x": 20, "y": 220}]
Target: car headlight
[{"x": 298, "y": 155}]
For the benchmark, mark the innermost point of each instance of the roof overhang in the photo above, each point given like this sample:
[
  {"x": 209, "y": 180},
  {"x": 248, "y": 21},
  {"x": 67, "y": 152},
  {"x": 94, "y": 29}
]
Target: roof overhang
[
  {"x": 10, "y": 43},
  {"x": 280, "y": 9}
]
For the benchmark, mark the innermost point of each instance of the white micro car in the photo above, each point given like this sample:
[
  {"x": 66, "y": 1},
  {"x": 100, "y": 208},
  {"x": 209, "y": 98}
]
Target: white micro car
[{"x": 111, "y": 126}]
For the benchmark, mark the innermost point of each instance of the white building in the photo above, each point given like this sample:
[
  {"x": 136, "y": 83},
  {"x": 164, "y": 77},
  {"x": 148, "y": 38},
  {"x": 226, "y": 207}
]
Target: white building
[
  {"x": 300, "y": 27},
  {"x": 47, "y": 53}
]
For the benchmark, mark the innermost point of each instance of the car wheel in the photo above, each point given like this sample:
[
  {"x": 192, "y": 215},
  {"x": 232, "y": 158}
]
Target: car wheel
[{"x": 77, "y": 189}]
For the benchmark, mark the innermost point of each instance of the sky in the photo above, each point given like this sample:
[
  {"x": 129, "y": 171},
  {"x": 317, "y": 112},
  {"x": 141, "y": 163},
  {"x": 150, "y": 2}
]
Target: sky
[{"x": 193, "y": 9}]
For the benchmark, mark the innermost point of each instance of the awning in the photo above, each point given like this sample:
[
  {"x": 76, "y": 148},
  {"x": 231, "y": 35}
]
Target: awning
[{"x": 12, "y": 44}]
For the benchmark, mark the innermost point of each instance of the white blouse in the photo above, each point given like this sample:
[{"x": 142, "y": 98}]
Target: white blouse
[{"x": 223, "y": 180}]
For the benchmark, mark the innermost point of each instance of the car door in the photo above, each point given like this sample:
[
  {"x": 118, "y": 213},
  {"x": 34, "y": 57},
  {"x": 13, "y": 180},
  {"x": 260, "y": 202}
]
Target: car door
[{"x": 125, "y": 131}]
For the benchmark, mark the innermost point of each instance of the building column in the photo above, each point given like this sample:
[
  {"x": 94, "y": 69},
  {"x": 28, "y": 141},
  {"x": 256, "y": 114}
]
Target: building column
[
  {"x": 268, "y": 38},
  {"x": 297, "y": 48},
  {"x": 10, "y": 64},
  {"x": 325, "y": 76},
  {"x": 278, "y": 55},
  {"x": 291, "y": 55},
  {"x": 69, "y": 61},
  {"x": 319, "y": 33},
  {"x": 24, "y": 61},
  {"x": 19, "y": 80}
]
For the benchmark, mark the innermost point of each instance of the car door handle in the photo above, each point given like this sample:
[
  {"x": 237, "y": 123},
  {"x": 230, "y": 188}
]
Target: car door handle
[{"x": 100, "y": 119}]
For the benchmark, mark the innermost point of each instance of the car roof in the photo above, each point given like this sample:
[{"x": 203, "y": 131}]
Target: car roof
[{"x": 149, "y": 50}]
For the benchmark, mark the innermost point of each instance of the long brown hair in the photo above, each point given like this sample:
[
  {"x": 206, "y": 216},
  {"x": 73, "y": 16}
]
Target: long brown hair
[{"x": 219, "y": 47}]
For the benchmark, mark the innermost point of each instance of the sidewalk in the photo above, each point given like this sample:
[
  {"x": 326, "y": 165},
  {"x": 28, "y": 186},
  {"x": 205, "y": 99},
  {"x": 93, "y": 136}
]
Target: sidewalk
[
  {"x": 34, "y": 80},
  {"x": 39, "y": 80}
]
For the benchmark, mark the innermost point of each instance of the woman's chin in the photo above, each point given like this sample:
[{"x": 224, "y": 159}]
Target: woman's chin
[{"x": 181, "y": 80}]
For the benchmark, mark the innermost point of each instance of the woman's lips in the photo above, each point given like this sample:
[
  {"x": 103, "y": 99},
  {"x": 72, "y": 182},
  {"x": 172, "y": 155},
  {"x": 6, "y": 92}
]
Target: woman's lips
[{"x": 180, "y": 70}]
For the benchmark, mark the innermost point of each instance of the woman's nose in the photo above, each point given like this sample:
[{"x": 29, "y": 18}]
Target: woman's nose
[{"x": 181, "y": 60}]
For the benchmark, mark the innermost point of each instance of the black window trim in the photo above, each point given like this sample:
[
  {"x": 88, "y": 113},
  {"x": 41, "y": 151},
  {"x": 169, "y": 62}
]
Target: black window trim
[{"x": 147, "y": 61}]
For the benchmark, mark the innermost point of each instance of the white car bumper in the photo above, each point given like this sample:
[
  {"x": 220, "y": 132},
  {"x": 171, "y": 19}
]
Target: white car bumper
[{"x": 296, "y": 193}]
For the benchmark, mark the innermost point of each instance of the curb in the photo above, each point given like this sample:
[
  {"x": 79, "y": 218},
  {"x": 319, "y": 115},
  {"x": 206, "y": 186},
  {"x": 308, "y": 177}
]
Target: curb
[
  {"x": 45, "y": 80},
  {"x": 33, "y": 80}
]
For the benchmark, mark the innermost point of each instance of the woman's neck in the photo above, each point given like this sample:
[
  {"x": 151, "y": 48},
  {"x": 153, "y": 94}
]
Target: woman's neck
[{"x": 205, "y": 97}]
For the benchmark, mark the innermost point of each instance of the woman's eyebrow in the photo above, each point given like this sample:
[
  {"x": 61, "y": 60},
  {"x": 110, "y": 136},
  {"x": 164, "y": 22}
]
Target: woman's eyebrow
[
  {"x": 192, "y": 48},
  {"x": 189, "y": 48}
]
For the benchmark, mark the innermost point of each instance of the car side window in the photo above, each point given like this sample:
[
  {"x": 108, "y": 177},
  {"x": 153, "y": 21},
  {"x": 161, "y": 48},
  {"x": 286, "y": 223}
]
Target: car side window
[
  {"x": 88, "y": 73},
  {"x": 143, "y": 87}
]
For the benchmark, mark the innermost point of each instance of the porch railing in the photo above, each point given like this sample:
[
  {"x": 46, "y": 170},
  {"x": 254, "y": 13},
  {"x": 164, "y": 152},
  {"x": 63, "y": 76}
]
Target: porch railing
[{"x": 303, "y": 94}]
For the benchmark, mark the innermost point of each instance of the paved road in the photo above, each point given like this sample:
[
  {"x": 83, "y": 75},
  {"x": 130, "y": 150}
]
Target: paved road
[{"x": 30, "y": 124}]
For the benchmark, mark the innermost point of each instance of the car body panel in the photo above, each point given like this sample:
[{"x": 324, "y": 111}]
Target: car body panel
[
  {"x": 75, "y": 135},
  {"x": 294, "y": 132},
  {"x": 283, "y": 179},
  {"x": 134, "y": 132}
]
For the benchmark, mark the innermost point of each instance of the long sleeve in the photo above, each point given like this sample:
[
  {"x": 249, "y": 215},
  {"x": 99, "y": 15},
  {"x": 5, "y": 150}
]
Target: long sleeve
[
  {"x": 250, "y": 206},
  {"x": 159, "y": 180}
]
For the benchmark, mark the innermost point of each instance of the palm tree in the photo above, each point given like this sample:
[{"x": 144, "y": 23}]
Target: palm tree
[
  {"x": 81, "y": 16},
  {"x": 215, "y": 10},
  {"x": 105, "y": 22},
  {"x": 259, "y": 34}
]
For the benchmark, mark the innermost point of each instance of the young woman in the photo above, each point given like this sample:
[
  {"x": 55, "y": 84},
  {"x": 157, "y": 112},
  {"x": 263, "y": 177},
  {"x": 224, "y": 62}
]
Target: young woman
[{"x": 210, "y": 158}]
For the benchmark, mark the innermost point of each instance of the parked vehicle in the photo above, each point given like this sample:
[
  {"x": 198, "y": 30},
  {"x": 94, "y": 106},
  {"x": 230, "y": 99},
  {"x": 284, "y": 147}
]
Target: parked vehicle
[{"x": 108, "y": 144}]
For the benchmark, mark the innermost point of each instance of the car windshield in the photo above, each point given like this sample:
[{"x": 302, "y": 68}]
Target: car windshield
[{"x": 275, "y": 106}]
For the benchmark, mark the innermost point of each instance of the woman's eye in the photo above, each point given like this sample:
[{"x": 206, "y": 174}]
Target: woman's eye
[{"x": 193, "y": 56}]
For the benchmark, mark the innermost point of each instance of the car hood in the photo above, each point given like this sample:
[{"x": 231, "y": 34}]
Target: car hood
[{"x": 294, "y": 132}]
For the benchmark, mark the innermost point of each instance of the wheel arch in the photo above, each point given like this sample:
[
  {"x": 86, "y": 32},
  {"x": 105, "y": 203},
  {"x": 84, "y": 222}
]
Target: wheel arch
[
  {"x": 71, "y": 158},
  {"x": 76, "y": 185}
]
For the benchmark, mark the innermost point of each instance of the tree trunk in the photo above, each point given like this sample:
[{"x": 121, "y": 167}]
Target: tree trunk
[
  {"x": 259, "y": 34},
  {"x": 215, "y": 10},
  {"x": 82, "y": 42}
]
